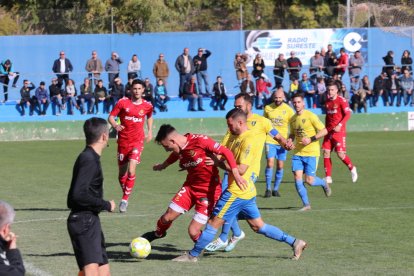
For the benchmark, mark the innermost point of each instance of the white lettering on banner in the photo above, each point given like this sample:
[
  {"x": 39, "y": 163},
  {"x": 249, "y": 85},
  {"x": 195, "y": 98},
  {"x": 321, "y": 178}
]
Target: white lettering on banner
[
  {"x": 193, "y": 163},
  {"x": 133, "y": 118}
]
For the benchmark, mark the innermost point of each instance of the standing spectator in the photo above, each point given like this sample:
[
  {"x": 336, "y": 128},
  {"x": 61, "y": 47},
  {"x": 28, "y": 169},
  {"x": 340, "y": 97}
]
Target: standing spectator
[
  {"x": 190, "y": 93},
  {"x": 316, "y": 66},
  {"x": 200, "y": 68},
  {"x": 185, "y": 66},
  {"x": 258, "y": 66},
  {"x": 61, "y": 67},
  {"x": 355, "y": 65},
  {"x": 161, "y": 70},
  {"x": 94, "y": 67},
  {"x": 26, "y": 100},
  {"x": 262, "y": 83},
  {"x": 294, "y": 66},
  {"x": 407, "y": 85},
  {"x": 406, "y": 61},
  {"x": 148, "y": 94},
  {"x": 279, "y": 70},
  {"x": 380, "y": 90},
  {"x": 220, "y": 97},
  {"x": 308, "y": 89},
  {"x": 6, "y": 74},
  {"x": 85, "y": 200},
  {"x": 342, "y": 63},
  {"x": 100, "y": 96},
  {"x": 240, "y": 64},
  {"x": 71, "y": 93},
  {"x": 366, "y": 85},
  {"x": 320, "y": 93},
  {"x": 86, "y": 97},
  {"x": 112, "y": 66},
  {"x": 11, "y": 262},
  {"x": 134, "y": 68},
  {"x": 389, "y": 64},
  {"x": 42, "y": 98},
  {"x": 56, "y": 97},
  {"x": 115, "y": 93},
  {"x": 247, "y": 86},
  {"x": 393, "y": 87},
  {"x": 161, "y": 96},
  {"x": 330, "y": 61}
]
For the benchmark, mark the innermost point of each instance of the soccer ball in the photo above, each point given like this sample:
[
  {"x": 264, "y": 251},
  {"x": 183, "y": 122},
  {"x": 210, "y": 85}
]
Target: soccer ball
[{"x": 140, "y": 248}]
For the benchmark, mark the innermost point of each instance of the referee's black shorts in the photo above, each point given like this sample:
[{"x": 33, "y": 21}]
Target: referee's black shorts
[{"x": 87, "y": 238}]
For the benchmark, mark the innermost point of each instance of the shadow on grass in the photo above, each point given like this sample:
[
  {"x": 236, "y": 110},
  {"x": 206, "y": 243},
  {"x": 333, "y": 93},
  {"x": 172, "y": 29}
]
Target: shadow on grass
[
  {"x": 43, "y": 209},
  {"x": 280, "y": 208},
  {"x": 125, "y": 257},
  {"x": 221, "y": 255},
  {"x": 60, "y": 254}
]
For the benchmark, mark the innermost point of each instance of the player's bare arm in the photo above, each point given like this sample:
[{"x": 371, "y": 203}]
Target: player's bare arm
[
  {"x": 319, "y": 134},
  {"x": 237, "y": 173},
  {"x": 280, "y": 139},
  {"x": 114, "y": 124},
  {"x": 160, "y": 167},
  {"x": 149, "y": 129}
]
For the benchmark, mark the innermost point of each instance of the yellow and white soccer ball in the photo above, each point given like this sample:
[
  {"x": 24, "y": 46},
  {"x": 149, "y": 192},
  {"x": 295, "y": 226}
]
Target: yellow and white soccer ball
[{"x": 140, "y": 248}]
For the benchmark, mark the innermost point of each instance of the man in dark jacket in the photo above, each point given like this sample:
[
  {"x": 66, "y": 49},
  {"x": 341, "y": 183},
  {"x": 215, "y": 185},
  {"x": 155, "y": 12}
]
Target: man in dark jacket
[
  {"x": 11, "y": 262},
  {"x": 185, "y": 67},
  {"x": 200, "y": 67},
  {"x": 61, "y": 67}
]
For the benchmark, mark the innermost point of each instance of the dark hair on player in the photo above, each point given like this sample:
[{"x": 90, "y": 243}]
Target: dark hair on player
[
  {"x": 236, "y": 113},
  {"x": 298, "y": 95},
  {"x": 93, "y": 129},
  {"x": 138, "y": 81},
  {"x": 245, "y": 97},
  {"x": 163, "y": 132},
  {"x": 333, "y": 83}
]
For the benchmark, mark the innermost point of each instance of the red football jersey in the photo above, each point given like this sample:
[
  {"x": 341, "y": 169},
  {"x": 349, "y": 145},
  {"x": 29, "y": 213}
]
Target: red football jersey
[
  {"x": 132, "y": 117},
  {"x": 192, "y": 158},
  {"x": 337, "y": 111}
]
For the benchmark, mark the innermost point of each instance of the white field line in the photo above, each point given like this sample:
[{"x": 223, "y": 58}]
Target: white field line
[
  {"x": 33, "y": 270},
  {"x": 114, "y": 216}
]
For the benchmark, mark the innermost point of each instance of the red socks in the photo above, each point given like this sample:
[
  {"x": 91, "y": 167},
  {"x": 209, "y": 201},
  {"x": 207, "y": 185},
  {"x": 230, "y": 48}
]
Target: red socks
[
  {"x": 129, "y": 185},
  {"x": 327, "y": 163},
  {"x": 347, "y": 161},
  {"x": 162, "y": 227}
]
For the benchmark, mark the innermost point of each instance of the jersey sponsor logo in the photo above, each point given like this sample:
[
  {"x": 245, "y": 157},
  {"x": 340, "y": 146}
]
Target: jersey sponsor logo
[
  {"x": 331, "y": 111},
  {"x": 193, "y": 163},
  {"x": 133, "y": 118}
]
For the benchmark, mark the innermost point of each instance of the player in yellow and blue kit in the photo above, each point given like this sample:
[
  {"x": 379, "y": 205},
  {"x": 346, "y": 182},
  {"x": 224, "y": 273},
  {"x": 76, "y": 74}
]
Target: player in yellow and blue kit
[
  {"x": 240, "y": 199},
  {"x": 261, "y": 127},
  {"x": 306, "y": 129},
  {"x": 279, "y": 113}
]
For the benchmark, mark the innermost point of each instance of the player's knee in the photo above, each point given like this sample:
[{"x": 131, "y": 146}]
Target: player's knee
[
  {"x": 341, "y": 155},
  {"x": 326, "y": 154},
  {"x": 270, "y": 163},
  {"x": 309, "y": 180}
]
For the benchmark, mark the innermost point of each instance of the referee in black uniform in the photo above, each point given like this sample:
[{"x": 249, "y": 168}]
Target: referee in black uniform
[{"x": 85, "y": 199}]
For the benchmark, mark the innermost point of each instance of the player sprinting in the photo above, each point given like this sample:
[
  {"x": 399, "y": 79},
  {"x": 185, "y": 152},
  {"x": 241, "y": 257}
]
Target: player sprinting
[
  {"x": 337, "y": 115},
  {"x": 306, "y": 129},
  {"x": 132, "y": 114},
  {"x": 261, "y": 127},
  {"x": 279, "y": 113},
  {"x": 241, "y": 199},
  {"x": 202, "y": 187}
]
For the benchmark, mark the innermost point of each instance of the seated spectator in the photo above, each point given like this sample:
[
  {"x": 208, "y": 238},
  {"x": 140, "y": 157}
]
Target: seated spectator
[
  {"x": 86, "y": 97},
  {"x": 190, "y": 93},
  {"x": 389, "y": 67},
  {"x": 116, "y": 93},
  {"x": 56, "y": 97},
  {"x": 6, "y": 74},
  {"x": 308, "y": 89},
  {"x": 369, "y": 96},
  {"x": 358, "y": 101},
  {"x": 293, "y": 89},
  {"x": 355, "y": 84},
  {"x": 11, "y": 262},
  {"x": 128, "y": 88},
  {"x": 343, "y": 92},
  {"x": 26, "y": 100},
  {"x": 406, "y": 62},
  {"x": 100, "y": 96},
  {"x": 407, "y": 85},
  {"x": 394, "y": 91},
  {"x": 161, "y": 96},
  {"x": 262, "y": 93},
  {"x": 148, "y": 94},
  {"x": 320, "y": 92},
  {"x": 220, "y": 97},
  {"x": 247, "y": 86},
  {"x": 380, "y": 90},
  {"x": 71, "y": 93},
  {"x": 42, "y": 99}
]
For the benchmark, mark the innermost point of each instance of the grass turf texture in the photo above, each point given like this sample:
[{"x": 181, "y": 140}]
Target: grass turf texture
[{"x": 364, "y": 228}]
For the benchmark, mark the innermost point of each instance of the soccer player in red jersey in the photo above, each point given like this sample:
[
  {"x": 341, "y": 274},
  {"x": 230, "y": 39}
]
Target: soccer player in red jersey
[
  {"x": 132, "y": 114},
  {"x": 202, "y": 187},
  {"x": 337, "y": 115}
]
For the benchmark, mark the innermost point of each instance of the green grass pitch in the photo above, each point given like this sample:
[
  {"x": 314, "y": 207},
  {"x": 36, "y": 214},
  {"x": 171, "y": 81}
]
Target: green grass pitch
[{"x": 365, "y": 228}]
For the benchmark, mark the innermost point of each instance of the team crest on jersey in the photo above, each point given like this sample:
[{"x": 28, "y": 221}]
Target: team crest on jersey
[
  {"x": 335, "y": 106},
  {"x": 191, "y": 153},
  {"x": 253, "y": 123},
  {"x": 127, "y": 109},
  {"x": 303, "y": 121},
  {"x": 141, "y": 112}
]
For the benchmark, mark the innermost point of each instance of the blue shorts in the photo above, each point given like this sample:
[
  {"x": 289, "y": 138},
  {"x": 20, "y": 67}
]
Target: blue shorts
[
  {"x": 230, "y": 206},
  {"x": 275, "y": 151},
  {"x": 307, "y": 164}
]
